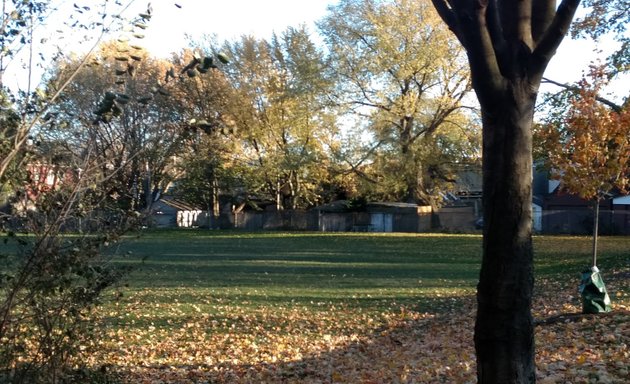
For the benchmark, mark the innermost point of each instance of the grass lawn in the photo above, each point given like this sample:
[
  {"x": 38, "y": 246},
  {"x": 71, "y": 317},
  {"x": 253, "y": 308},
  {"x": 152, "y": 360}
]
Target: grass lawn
[{"x": 217, "y": 306}]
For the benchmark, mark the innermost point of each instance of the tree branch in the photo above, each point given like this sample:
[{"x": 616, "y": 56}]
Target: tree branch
[
  {"x": 552, "y": 37},
  {"x": 523, "y": 22},
  {"x": 495, "y": 28},
  {"x": 448, "y": 16},
  {"x": 476, "y": 23},
  {"x": 542, "y": 16},
  {"x": 372, "y": 105},
  {"x": 615, "y": 107},
  {"x": 483, "y": 56}
]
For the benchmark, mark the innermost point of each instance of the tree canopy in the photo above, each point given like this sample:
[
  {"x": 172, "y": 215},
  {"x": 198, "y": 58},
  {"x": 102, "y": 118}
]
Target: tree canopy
[
  {"x": 402, "y": 77},
  {"x": 279, "y": 108},
  {"x": 589, "y": 150}
]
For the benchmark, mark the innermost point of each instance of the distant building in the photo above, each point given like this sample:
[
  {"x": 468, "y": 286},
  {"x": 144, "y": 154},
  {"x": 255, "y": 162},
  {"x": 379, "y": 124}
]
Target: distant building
[{"x": 168, "y": 212}]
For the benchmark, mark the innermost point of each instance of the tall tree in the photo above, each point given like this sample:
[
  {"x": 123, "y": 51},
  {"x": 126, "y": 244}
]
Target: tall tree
[
  {"x": 117, "y": 106},
  {"x": 280, "y": 114},
  {"x": 203, "y": 165},
  {"x": 403, "y": 76},
  {"x": 28, "y": 46},
  {"x": 509, "y": 45}
]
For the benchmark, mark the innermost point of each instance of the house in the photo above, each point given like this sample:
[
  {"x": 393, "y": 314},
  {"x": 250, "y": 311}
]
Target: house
[
  {"x": 468, "y": 187},
  {"x": 467, "y": 194},
  {"x": 42, "y": 178},
  {"x": 565, "y": 213}
]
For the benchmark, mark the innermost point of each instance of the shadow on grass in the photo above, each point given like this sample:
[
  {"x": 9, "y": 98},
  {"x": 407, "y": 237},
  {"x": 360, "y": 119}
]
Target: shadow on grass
[
  {"x": 430, "y": 341},
  {"x": 33, "y": 374},
  {"x": 412, "y": 346}
]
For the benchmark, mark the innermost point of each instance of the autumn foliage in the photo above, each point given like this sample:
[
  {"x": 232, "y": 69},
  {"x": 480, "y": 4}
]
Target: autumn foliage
[{"x": 589, "y": 150}]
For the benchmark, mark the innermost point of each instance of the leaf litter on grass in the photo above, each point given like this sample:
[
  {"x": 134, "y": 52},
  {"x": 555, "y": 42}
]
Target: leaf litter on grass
[
  {"x": 184, "y": 336},
  {"x": 576, "y": 348},
  {"x": 294, "y": 344},
  {"x": 333, "y": 343},
  {"x": 345, "y": 344}
]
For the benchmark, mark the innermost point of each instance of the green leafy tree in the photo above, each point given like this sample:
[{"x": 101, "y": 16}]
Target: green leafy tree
[
  {"x": 208, "y": 179},
  {"x": 204, "y": 165},
  {"x": 279, "y": 110},
  {"x": 509, "y": 45},
  {"x": 403, "y": 77}
]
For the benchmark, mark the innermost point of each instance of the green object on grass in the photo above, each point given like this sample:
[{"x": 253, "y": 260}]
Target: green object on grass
[{"x": 595, "y": 298}]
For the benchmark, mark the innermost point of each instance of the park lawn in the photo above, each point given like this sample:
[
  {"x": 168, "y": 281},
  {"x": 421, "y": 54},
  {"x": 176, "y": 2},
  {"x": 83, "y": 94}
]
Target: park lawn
[{"x": 232, "y": 307}]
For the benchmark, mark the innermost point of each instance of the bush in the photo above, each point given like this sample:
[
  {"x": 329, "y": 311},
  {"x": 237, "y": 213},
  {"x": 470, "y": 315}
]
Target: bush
[{"x": 50, "y": 282}]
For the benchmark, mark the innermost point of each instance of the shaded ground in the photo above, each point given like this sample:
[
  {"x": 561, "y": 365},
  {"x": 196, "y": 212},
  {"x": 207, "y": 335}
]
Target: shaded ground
[
  {"x": 291, "y": 345},
  {"x": 322, "y": 329}
]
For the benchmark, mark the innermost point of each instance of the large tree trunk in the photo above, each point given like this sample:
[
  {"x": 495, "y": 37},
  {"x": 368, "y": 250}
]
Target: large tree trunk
[
  {"x": 509, "y": 44},
  {"x": 504, "y": 339}
]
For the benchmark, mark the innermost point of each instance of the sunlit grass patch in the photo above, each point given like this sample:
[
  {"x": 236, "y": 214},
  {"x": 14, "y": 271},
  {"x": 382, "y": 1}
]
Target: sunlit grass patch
[{"x": 310, "y": 307}]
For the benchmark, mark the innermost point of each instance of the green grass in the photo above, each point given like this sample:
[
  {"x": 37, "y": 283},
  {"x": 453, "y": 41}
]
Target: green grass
[
  {"x": 306, "y": 266},
  {"x": 245, "y": 303},
  {"x": 561, "y": 255},
  {"x": 370, "y": 271}
]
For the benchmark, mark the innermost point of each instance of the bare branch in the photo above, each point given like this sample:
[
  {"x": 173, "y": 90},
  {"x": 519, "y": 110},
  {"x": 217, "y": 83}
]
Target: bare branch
[{"x": 615, "y": 107}]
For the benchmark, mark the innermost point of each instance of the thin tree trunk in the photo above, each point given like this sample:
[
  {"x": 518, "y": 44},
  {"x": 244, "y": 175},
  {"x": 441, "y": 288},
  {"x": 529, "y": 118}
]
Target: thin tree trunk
[
  {"x": 595, "y": 232},
  {"x": 278, "y": 195},
  {"x": 216, "y": 208},
  {"x": 504, "y": 339},
  {"x": 148, "y": 190}
]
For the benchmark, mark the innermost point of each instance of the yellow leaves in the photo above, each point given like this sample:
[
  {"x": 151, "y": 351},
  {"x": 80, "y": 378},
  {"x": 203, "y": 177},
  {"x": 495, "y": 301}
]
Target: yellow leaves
[
  {"x": 581, "y": 359},
  {"x": 337, "y": 377},
  {"x": 217, "y": 341}
]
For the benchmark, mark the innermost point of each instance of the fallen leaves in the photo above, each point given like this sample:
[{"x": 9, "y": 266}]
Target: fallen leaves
[
  {"x": 578, "y": 348},
  {"x": 190, "y": 337},
  {"x": 290, "y": 344}
]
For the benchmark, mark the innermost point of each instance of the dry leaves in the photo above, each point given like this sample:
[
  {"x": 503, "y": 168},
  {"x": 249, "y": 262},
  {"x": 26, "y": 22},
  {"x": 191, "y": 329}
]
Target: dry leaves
[
  {"x": 208, "y": 340},
  {"x": 579, "y": 348}
]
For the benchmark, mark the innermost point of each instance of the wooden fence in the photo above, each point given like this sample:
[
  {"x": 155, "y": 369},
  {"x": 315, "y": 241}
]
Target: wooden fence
[{"x": 449, "y": 220}]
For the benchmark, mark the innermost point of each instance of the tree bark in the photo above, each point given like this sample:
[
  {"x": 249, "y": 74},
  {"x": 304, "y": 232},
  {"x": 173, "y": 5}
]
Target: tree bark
[
  {"x": 504, "y": 327},
  {"x": 509, "y": 45}
]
